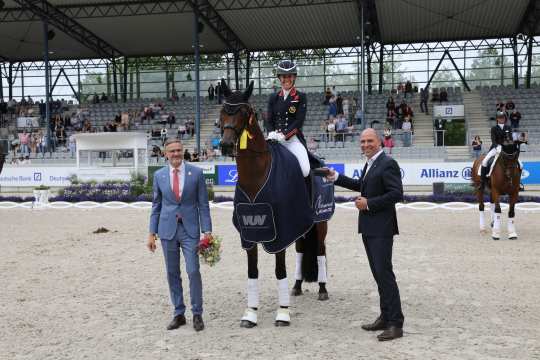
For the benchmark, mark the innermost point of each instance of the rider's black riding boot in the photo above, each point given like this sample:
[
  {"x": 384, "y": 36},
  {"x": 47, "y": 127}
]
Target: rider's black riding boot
[{"x": 483, "y": 177}]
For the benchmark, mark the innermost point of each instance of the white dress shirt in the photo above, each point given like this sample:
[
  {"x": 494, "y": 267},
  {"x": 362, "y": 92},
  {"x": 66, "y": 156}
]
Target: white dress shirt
[
  {"x": 371, "y": 161},
  {"x": 286, "y": 93},
  {"x": 181, "y": 177}
]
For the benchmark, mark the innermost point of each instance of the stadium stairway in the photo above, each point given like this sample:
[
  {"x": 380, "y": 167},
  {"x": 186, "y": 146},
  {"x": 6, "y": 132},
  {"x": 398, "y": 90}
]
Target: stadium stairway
[
  {"x": 423, "y": 128},
  {"x": 457, "y": 153},
  {"x": 476, "y": 120}
]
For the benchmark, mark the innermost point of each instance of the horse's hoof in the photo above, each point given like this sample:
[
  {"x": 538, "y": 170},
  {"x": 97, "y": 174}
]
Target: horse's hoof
[
  {"x": 247, "y": 324},
  {"x": 512, "y": 237},
  {"x": 495, "y": 238},
  {"x": 323, "y": 296},
  {"x": 280, "y": 323},
  {"x": 296, "y": 292}
]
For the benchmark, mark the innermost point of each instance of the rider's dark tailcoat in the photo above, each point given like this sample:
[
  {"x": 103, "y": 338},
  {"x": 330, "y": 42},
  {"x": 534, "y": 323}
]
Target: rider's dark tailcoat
[
  {"x": 498, "y": 135},
  {"x": 287, "y": 115}
]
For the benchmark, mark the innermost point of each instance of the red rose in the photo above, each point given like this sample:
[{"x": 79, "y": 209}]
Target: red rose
[{"x": 204, "y": 243}]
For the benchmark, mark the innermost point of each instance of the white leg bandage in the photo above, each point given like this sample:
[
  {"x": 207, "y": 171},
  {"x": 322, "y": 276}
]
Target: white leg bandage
[
  {"x": 253, "y": 293},
  {"x": 298, "y": 269},
  {"x": 511, "y": 228},
  {"x": 283, "y": 291},
  {"x": 321, "y": 262},
  {"x": 482, "y": 220},
  {"x": 299, "y": 151}
]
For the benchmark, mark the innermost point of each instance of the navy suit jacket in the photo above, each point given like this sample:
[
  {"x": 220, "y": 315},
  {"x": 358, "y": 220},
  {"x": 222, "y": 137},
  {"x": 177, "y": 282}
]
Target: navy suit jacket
[
  {"x": 383, "y": 189},
  {"x": 193, "y": 206}
]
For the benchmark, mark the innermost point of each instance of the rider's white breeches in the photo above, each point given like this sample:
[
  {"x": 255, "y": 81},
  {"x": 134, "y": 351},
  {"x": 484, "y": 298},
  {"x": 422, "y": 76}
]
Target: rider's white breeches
[
  {"x": 489, "y": 155},
  {"x": 299, "y": 151}
]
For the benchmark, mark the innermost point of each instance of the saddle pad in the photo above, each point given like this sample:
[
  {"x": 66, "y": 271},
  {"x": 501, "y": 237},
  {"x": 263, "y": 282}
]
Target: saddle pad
[{"x": 256, "y": 222}]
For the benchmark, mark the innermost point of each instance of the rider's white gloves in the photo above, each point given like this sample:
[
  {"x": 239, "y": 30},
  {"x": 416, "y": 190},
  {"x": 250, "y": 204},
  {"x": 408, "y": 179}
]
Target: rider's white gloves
[{"x": 276, "y": 136}]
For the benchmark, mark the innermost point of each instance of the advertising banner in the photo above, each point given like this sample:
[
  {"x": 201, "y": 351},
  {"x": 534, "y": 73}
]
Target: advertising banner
[
  {"x": 448, "y": 111},
  {"x": 35, "y": 176},
  {"x": 228, "y": 175},
  {"x": 426, "y": 173}
]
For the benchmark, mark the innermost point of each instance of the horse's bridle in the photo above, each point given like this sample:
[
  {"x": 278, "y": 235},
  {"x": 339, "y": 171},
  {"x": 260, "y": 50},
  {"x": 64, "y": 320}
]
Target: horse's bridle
[{"x": 232, "y": 109}]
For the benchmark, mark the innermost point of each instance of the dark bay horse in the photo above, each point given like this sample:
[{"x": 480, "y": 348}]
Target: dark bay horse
[
  {"x": 253, "y": 161},
  {"x": 504, "y": 180}
]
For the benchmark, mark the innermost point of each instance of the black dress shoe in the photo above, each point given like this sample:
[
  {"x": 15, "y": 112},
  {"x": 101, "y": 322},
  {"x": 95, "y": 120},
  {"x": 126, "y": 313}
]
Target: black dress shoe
[
  {"x": 176, "y": 322},
  {"x": 376, "y": 325},
  {"x": 393, "y": 332},
  {"x": 198, "y": 323}
]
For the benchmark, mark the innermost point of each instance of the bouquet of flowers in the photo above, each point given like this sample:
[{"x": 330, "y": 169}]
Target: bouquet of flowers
[{"x": 210, "y": 249}]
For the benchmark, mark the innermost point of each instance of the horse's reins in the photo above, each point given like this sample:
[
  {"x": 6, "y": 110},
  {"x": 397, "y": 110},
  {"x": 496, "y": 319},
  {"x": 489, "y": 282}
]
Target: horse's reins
[{"x": 233, "y": 108}]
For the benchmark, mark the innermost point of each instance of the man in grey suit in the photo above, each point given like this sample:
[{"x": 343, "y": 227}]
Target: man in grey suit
[
  {"x": 380, "y": 189},
  {"x": 179, "y": 212}
]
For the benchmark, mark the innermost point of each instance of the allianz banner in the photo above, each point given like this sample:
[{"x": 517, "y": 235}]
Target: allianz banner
[{"x": 426, "y": 173}]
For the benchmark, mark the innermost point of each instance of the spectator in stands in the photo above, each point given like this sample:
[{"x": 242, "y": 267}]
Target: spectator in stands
[
  {"x": 435, "y": 95},
  {"x": 443, "y": 95},
  {"x": 341, "y": 127},
  {"x": 219, "y": 93},
  {"x": 204, "y": 155},
  {"x": 211, "y": 92},
  {"x": 156, "y": 152},
  {"x": 358, "y": 115},
  {"x": 87, "y": 127},
  {"x": 388, "y": 142},
  {"x": 515, "y": 117},
  {"x": 174, "y": 96},
  {"x": 181, "y": 131},
  {"x": 439, "y": 126},
  {"x": 331, "y": 129},
  {"x": 510, "y": 105},
  {"x": 424, "y": 95},
  {"x": 312, "y": 145},
  {"x": 500, "y": 105},
  {"x": 195, "y": 157},
  {"x": 390, "y": 104},
  {"x": 124, "y": 120},
  {"x": 327, "y": 96},
  {"x": 42, "y": 143},
  {"x": 163, "y": 135},
  {"x": 171, "y": 119},
  {"x": 190, "y": 127},
  {"x": 187, "y": 155},
  {"x": 477, "y": 146},
  {"x": 95, "y": 99},
  {"x": 33, "y": 143},
  {"x": 406, "y": 127},
  {"x": 60, "y": 133},
  {"x": 72, "y": 145},
  {"x": 332, "y": 107},
  {"x": 408, "y": 88},
  {"x": 339, "y": 104},
  {"x": 104, "y": 98},
  {"x": 24, "y": 141},
  {"x": 391, "y": 118}
]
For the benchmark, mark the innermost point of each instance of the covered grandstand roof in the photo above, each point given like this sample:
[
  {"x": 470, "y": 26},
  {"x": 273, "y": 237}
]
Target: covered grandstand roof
[{"x": 165, "y": 27}]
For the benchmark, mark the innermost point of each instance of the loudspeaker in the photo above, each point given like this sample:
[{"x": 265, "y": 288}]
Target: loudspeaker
[{"x": 4, "y": 146}]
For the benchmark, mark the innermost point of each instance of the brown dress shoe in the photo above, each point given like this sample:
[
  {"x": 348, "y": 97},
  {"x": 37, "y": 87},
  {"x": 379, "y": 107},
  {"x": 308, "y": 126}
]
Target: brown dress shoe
[
  {"x": 376, "y": 325},
  {"x": 393, "y": 332},
  {"x": 198, "y": 323},
  {"x": 176, "y": 322}
]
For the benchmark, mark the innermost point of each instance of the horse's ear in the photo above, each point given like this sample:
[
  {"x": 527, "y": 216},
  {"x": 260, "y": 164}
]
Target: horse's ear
[
  {"x": 225, "y": 88},
  {"x": 248, "y": 91}
]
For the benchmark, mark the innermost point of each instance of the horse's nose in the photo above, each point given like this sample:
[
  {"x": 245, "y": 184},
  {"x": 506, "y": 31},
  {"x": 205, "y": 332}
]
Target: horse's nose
[{"x": 226, "y": 146}]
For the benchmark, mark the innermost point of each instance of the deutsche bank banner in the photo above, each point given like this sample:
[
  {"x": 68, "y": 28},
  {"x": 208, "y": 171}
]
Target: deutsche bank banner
[
  {"x": 426, "y": 173},
  {"x": 34, "y": 176},
  {"x": 228, "y": 175}
]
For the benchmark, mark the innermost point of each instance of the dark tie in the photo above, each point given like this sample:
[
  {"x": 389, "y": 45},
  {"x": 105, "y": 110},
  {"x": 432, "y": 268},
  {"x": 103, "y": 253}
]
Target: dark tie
[
  {"x": 176, "y": 184},
  {"x": 364, "y": 170}
]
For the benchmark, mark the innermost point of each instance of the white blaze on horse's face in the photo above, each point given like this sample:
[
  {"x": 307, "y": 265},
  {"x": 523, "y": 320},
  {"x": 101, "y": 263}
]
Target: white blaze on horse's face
[{"x": 287, "y": 81}]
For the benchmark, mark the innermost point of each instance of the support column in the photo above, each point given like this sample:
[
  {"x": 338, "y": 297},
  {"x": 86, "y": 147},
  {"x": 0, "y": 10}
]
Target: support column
[
  {"x": 369, "y": 55},
  {"x": 108, "y": 76},
  {"x": 515, "y": 53},
  {"x": 381, "y": 68},
  {"x": 167, "y": 84},
  {"x": 248, "y": 65},
  {"x": 124, "y": 80},
  {"x": 529, "y": 62},
  {"x": 131, "y": 83},
  {"x": 22, "y": 82},
  {"x": 228, "y": 72},
  {"x": 10, "y": 81},
  {"x": 259, "y": 64},
  {"x": 324, "y": 70},
  {"x": 197, "y": 83},
  {"x": 115, "y": 81},
  {"x": 362, "y": 44},
  {"x": 138, "y": 79},
  {"x": 79, "y": 84},
  {"x": 47, "y": 83},
  {"x": 236, "y": 61},
  {"x": 2, "y": 85}
]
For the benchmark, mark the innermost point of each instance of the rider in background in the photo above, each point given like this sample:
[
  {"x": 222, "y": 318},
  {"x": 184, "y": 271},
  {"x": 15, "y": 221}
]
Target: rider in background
[
  {"x": 499, "y": 133},
  {"x": 286, "y": 114}
]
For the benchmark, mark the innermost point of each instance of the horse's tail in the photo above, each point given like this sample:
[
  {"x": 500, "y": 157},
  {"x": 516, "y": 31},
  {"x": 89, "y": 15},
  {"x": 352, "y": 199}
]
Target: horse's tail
[{"x": 310, "y": 267}]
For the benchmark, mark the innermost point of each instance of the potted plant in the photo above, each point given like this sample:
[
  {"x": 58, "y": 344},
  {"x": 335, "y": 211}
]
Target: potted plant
[{"x": 41, "y": 195}]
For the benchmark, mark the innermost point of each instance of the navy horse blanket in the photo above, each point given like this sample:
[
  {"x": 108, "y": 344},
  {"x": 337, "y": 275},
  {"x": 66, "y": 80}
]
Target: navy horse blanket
[{"x": 282, "y": 211}]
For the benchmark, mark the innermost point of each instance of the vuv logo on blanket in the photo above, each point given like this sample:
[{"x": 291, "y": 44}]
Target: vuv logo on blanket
[{"x": 253, "y": 220}]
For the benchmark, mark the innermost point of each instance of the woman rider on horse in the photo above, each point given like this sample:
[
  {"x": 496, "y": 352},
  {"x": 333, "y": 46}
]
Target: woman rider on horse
[
  {"x": 286, "y": 115},
  {"x": 499, "y": 133}
]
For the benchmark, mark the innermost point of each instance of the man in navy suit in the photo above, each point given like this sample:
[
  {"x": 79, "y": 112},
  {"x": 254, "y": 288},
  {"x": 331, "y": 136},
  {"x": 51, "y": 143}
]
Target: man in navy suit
[
  {"x": 179, "y": 212},
  {"x": 380, "y": 189}
]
